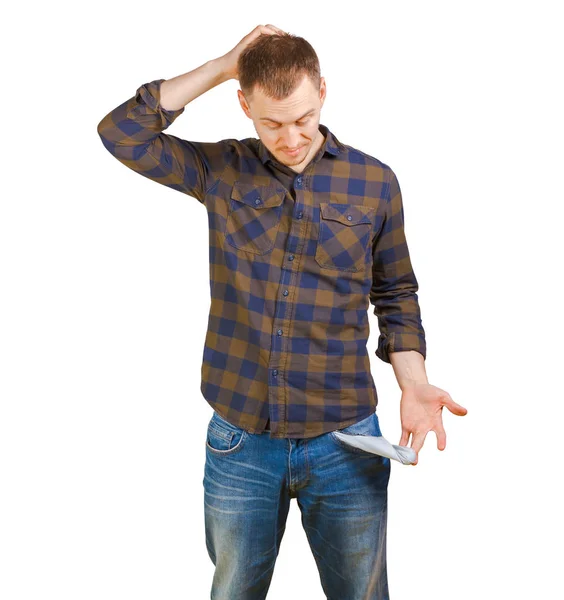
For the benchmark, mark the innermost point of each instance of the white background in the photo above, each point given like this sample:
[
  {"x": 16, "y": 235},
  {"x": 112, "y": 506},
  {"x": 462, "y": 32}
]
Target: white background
[{"x": 105, "y": 295}]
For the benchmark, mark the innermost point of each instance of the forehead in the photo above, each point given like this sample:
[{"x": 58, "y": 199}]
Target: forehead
[{"x": 299, "y": 104}]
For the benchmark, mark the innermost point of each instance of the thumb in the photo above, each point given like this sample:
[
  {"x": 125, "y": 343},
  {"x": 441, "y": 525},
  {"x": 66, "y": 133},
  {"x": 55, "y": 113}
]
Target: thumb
[{"x": 455, "y": 409}]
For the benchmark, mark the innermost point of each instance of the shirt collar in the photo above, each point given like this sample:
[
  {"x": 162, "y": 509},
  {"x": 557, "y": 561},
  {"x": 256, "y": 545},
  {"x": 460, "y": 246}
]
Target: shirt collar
[{"x": 331, "y": 145}]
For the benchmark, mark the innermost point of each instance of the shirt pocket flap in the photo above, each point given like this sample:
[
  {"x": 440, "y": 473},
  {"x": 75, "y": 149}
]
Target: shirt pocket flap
[
  {"x": 258, "y": 196},
  {"x": 347, "y": 214}
]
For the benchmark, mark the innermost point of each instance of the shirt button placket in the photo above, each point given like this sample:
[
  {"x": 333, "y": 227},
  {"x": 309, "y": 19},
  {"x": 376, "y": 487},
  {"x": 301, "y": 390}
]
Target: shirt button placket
[{"x": 298, "y": 183}]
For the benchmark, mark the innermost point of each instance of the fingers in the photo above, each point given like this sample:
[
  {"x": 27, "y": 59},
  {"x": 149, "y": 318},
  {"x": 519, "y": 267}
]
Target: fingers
[
  {"x": 404, "y": 437},
  {"x": 441, "y": 436},
  {"x": 258, "y": 31},
  {"x": 275, "y": 29},
  {"x": 417, "y": 441},
  {"x": 269, "y": 30},
  {"x": 404, "y": 441}
]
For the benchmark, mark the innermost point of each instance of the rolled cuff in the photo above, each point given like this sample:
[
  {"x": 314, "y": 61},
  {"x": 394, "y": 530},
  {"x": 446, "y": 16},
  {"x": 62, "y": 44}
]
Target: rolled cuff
[
  {"x": 399, "y": 342},
  {"x": 148, "y": 101}
]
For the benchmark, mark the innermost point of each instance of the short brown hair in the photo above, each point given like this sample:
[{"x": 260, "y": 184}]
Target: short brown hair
[{"x": 276, "y": 64}]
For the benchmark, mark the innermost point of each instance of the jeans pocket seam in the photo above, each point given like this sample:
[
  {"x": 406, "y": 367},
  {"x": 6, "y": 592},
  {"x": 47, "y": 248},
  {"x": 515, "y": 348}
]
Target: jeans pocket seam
[
  {"x": 226, "y": 435},
  {"x": 229, "y": 451}
]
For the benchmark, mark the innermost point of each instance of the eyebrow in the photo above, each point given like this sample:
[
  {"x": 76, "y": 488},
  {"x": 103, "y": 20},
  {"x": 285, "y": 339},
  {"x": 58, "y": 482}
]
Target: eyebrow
[{"x": 298, "y": 119}]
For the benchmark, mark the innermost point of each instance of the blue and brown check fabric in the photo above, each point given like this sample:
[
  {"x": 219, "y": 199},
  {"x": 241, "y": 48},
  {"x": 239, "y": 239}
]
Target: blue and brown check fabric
[{"x": 294, "y": 259}]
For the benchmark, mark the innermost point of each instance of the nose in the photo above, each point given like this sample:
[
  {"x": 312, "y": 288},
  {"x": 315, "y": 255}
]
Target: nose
[
  {"x": 293, "y": 144},
  {"x": 293, "y": 141}
]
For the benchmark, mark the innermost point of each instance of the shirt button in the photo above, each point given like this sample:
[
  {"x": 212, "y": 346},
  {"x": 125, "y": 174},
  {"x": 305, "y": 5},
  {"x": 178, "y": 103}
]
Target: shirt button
[
  {"x": 275, "y": 372},
  {"x": 300, "y": 215},
  {"x": 291, "y": 257},
  {"x": 299, "y": 180},
  {"x": 257, "y": 201},
  {"x": 349, "y": 217},
  {"x": 279, "y": 332},
  {"x": 285, "y": 293}
]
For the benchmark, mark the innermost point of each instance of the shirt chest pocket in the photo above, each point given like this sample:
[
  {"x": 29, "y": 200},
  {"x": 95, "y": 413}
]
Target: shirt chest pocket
[
  {"x": 253, "y": 217},
  {"x": 345, "y": 236}
]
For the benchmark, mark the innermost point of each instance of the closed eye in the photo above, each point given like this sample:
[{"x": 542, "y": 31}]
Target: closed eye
[{"x": 298, "y": 123}]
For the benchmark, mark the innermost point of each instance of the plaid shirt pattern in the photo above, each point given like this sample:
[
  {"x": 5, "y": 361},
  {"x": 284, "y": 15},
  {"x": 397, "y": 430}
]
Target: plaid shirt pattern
[{"x": 294, "y": 259}]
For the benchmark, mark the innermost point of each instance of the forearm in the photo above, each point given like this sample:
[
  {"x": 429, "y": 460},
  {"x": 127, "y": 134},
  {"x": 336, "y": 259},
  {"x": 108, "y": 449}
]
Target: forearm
[
  {"x": 394, "y": 285},
  {"x": 409, "y": 368},
  {"x": 178, "y": 91},
  {"x": 133, "y": 132}
]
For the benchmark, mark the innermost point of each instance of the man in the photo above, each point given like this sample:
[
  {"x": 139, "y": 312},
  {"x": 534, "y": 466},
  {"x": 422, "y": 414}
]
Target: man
[{"x": 304, "y": 231}]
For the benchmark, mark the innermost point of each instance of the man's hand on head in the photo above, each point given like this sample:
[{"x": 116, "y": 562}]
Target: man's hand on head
[{"x": 231, "y": 58}]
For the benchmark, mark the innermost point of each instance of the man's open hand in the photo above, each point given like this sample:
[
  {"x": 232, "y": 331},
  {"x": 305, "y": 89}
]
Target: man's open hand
[
  {"x": 421, "y": 411},
  {"x": 230, "y": 59}
]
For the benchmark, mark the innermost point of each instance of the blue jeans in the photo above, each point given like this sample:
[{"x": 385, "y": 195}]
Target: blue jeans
[{"x": 341, "y": 491}]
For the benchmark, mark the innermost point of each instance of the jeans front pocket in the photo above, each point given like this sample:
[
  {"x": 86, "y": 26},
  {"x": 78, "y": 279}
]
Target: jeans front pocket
[
  {"x": 345, "y": 236},
  {"x": 223, "y": 437},
  {"x": 368, "y": 426},
  {"x": 253, "y": 217}
]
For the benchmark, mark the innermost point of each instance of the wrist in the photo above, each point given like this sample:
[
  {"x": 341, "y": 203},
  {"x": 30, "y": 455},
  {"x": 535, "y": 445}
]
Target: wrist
[
  {"x": 406, "y": 384},
  {"x": 221, "y": 66},
  {"x": 409, "y": 368}
]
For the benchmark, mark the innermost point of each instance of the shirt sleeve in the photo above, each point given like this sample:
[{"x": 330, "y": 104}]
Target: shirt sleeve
[
  {"x": 133, "y": 133},
  {"x": 394, "y": 285}
]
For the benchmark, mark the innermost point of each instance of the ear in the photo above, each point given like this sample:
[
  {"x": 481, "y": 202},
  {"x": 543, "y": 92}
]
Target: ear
[
  {"x": 322, "y": 90},
  {"x": 243, "y": 103}
]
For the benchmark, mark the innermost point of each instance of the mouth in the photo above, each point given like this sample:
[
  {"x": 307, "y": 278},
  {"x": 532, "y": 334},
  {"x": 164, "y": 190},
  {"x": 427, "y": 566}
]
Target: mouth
[{"x": 293, "y": 152}]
